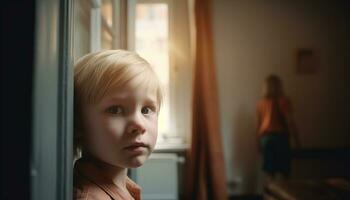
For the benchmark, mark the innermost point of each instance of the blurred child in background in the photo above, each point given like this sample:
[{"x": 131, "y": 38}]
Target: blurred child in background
[{"x": 275, "y": 126}]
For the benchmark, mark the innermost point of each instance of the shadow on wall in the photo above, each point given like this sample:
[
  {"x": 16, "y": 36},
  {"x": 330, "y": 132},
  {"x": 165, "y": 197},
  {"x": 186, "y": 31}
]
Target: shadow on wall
[{"x": 245, "y": 153}]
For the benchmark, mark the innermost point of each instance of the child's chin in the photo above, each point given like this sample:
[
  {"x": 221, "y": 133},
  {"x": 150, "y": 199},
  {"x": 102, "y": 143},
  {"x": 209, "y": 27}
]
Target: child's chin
[{"x": 136, "y": 162}]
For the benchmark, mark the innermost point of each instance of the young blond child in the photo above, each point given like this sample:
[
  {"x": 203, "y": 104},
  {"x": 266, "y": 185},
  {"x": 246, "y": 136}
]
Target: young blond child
[{"x": 117, "y": 97}]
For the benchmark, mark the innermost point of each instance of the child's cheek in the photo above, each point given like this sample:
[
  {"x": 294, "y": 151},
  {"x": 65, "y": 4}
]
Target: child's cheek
[
  {"x": 153, "y": 133},
  {"x": 116, "y": 127}
]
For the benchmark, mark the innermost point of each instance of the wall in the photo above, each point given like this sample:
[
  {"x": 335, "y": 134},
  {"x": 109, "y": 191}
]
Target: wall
[{"x": 256, "y": 38}]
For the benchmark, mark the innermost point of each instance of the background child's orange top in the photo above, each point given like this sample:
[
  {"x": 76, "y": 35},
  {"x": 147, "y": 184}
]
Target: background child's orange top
[{"x": 272, "y": 115}]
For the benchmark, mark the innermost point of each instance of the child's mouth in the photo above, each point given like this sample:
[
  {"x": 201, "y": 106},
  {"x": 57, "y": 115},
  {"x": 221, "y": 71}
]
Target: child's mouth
[{"x": 137, "y": 148}]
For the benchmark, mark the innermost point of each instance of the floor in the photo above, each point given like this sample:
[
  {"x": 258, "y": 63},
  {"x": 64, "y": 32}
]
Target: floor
[{"x": 246, "y": 197}]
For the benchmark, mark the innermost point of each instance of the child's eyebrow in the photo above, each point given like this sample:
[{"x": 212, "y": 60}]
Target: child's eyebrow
[
  {"x": 151, "y": 101},
  {"x": 114, "y": 99},
  {"x": 117, "y": 98},
  {"x": 148, "y": 99}
]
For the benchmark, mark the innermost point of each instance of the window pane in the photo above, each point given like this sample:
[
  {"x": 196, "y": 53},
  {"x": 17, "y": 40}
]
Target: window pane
[
  {"x": 107, "y": 11},
  {"x": 82, "y": 28},
  {"x": 152, "y": 43},
  {"x": 107, "y": 39},
  {"x": 106, "y": 26}
]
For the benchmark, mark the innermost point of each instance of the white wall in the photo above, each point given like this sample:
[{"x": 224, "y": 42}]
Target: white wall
[{"x": 256, "y": 38}]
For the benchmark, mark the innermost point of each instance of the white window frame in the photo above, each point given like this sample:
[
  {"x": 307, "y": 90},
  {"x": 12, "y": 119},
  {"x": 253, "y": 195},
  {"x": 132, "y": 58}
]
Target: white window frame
[{"x": 98, "y": 23}]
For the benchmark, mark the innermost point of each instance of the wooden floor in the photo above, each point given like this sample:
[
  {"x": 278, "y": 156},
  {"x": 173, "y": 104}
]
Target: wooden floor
[{"x": 246, "y": 197}]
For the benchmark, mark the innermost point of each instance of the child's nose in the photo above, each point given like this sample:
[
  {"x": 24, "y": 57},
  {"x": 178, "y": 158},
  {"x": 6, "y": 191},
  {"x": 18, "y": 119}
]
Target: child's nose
[{"x": 135, "y": 125}]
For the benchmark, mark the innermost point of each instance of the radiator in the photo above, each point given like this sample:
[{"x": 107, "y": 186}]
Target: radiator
[{"x": 158, "y": 177}]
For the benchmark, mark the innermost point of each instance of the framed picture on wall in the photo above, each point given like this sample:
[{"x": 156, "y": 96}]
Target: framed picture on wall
[{"x": 306, "y": 61}]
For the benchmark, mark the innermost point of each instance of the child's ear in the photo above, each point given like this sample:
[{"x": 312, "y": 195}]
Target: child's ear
[{"x": 78, "y": 141}]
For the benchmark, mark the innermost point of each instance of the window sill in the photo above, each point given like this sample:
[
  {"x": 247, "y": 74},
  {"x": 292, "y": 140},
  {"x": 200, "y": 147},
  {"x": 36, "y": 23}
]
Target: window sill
[{"x": 169, "y": 147}]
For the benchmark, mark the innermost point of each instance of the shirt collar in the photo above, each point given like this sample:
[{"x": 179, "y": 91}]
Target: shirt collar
[{"x": 88, "y": 170}]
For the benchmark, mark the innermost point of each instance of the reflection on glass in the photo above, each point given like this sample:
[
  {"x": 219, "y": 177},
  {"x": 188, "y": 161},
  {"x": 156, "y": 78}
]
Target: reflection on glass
[
  {"x": 82, "y": 28},
  {"x": 106, "y": 42},
  {"x": 107, "y": 20},
  {"x": 107, "y": 11}
]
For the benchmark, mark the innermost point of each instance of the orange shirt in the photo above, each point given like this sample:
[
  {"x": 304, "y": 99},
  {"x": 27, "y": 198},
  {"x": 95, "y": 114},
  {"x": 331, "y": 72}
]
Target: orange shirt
[
  {"x": 90, "y": 184},
  {"x": 272, "y": 115}
]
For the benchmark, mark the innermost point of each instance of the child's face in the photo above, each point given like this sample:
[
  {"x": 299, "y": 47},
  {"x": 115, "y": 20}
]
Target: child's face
[{"x": 122, "y": 128}]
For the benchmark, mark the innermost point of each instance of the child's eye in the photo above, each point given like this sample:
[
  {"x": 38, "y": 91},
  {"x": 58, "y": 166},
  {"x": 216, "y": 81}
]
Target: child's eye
[
  {"x": 147, "y": 110},
  {"x": 114, "y": 110}
]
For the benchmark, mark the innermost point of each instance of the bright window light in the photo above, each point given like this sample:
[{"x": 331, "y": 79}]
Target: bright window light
[{"x": 152, "y": 43}]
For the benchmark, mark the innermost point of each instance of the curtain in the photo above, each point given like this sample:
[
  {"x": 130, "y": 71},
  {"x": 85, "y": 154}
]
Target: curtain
[{"x": 205, "y": 175}]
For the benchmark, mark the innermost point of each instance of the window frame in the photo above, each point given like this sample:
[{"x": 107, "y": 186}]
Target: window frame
[{"x": 51, "y": 162}]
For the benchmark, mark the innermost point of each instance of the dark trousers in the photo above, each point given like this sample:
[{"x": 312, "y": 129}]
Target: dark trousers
[{"x": 276, "y": 153}]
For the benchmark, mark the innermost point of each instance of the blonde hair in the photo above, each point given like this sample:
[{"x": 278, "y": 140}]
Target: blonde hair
[{"x": 96, "y": 74}]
